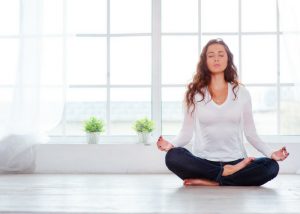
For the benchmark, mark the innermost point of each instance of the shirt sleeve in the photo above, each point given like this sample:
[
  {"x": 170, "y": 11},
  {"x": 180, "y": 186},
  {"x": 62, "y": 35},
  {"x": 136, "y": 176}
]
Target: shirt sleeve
[
  {"x": 186, "y": 132},
  {"x": 250, "y": 130}
]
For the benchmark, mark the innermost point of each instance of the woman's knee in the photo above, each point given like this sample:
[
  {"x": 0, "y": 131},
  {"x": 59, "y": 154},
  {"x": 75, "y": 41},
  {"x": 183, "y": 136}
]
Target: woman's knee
[
  {"x": 273, "y": 168},
  {"x": 172, "y": 156}
]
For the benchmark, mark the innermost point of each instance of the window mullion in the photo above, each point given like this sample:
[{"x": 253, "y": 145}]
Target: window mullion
[
  {"x": 156, "y": 67},
  {"x": 199, "y": 28},
  {"x": 240, "y": 39},
  {"x": 65, "y": 52},
  {"x": 278, "y": 68},
  {"x": 108, "y": 70}
]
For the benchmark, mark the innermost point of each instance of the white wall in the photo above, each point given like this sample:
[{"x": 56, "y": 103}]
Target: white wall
[{"x": 124, "y": 158}]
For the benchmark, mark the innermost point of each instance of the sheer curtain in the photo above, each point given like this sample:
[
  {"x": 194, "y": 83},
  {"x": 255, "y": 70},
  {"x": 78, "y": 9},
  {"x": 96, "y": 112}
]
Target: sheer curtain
[
  {"x": 290, "y": 40},
  {"x": 35, "y": 106},
  {"x": 290, "y": 48}
]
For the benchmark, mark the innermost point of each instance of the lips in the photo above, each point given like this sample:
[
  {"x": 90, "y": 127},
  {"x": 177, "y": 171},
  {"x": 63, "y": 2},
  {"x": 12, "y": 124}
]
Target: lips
[{"x": 217, "y": 65}]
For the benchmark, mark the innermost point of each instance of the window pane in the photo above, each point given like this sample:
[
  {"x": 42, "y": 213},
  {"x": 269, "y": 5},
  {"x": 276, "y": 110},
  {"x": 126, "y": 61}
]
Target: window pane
[
  {"x": 172, "y": 110},
  {"x": 179, "y": 59},
  {"x": 83, "y": 103},
  {"x": 130, "y": 60},
  {"x": 52, "y": 17},
  {"x": 86, "y": 16},
  {"x": 259, "y": 59},
  {"x": 51, "y": 108},
  {"x": 9, "y": 17},
  {"x": 9, "y": 50},
  {"x": 264, "y": 102},
  {"x": 52, "y": 61},
  {"x": 86, "y": 60},
  {"x": 232, "y": 43},
  {"x": 128, "y": 105},
  {"x": 258, "y": 16},
  {"x": 179, "y": 15},
  {"x": 6, "y": 95},
  {"x": 130, "y": 16},
  {"x": 6, "y": 98},
  {"x": 290, "y": 111},
  {"x": 289, "y": 58},
  {"x": 289, "y": 19},
  {"x": 216, "y": 18}
]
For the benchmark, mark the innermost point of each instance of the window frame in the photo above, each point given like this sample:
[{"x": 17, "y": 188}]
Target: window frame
[
  {"x": 156, "y": 86},
  {"x": 156, "y": 83}
]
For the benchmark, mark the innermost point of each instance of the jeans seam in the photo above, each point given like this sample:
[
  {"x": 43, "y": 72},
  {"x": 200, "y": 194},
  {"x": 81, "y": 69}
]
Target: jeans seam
[{"x": 220, "y": 174}]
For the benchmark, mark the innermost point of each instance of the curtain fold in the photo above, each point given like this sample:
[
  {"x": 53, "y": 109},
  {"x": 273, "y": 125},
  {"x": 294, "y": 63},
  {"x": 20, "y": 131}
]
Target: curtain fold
[{"x": 35, "y": 107}]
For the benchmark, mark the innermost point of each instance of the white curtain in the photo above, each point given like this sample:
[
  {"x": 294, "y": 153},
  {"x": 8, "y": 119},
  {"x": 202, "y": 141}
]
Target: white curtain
[
  {"x": 35, "y": 106},
  {"x": 290, "y": 40},
  {"x": 290, "y": 48}
]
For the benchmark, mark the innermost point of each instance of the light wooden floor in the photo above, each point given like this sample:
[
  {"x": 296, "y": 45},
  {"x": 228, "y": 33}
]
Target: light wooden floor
[{"x": 142, "y": 194}]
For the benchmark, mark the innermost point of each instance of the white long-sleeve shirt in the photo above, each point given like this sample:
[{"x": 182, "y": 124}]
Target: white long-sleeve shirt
[{"x": 219, "y": 129}]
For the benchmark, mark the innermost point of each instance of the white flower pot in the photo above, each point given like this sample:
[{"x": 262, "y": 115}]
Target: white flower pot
[
  {"x": 93, "y": 137},
  {"x": 144, "y": 137}
]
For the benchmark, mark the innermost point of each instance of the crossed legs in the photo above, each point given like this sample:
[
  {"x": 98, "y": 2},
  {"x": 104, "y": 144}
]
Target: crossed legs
[{"x": 197, "y": 171}]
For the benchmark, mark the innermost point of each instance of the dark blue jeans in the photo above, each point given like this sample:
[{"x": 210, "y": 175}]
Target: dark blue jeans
[{"x": 185, "y": 165}]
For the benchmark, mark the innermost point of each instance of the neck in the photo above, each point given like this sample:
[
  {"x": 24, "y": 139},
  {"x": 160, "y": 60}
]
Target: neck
[{"x": 217, "y": 81}]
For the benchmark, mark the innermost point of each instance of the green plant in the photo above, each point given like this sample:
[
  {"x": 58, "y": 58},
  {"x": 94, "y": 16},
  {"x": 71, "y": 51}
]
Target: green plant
[
  {"x": 143, "y": 125},
  {"x": 93, "y": 124}
]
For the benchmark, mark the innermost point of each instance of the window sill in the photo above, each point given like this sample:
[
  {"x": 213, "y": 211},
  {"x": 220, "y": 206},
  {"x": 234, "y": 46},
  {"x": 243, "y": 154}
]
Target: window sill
[
  {"x": 125, "y": 158},
  {"x": 134, "y": 139}
]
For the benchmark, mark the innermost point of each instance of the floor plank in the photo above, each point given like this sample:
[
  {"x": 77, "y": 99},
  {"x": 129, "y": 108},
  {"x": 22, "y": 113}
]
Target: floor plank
[{"x": 112, "y": 194}]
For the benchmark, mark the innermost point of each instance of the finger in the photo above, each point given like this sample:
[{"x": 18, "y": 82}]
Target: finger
[
  {"x": 283, "y": 151},
  {"x": 283, "y": 158}
]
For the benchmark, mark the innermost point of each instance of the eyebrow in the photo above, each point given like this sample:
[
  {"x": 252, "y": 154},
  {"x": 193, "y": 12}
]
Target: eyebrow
[{"x": 214, "y": 52}]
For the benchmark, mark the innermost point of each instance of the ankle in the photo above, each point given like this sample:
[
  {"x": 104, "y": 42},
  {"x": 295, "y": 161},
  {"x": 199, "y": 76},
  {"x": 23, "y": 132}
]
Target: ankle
[{"x": 227, "y": 170}]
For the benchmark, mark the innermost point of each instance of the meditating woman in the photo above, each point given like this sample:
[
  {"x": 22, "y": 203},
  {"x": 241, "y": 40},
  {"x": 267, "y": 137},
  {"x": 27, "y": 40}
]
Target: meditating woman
[{"x": 218, "y": 111}]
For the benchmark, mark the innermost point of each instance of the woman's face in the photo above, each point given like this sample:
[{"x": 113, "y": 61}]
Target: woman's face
[{"x": 216, "y": 58}]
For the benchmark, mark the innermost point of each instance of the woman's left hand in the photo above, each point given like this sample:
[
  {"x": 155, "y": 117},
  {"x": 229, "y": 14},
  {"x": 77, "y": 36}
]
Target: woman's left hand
[{"x": 280, "y": 155}]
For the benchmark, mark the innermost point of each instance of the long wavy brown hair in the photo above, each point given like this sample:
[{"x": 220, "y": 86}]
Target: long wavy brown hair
[{"x": 202, "y": 76}]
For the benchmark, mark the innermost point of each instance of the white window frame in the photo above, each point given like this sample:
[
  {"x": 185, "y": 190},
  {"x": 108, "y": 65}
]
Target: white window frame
[{"x": 156, "y": 85}]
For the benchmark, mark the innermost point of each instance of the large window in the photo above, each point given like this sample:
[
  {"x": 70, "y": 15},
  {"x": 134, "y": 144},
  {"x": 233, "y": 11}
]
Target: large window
[
  {"x": 108, "y": 64},
  {"x": 253, "y": 33},
  {"x": 122, "y": 60}
]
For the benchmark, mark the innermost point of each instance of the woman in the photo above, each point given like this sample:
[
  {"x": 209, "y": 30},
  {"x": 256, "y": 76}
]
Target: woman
[{"x": 218, "y": 111}]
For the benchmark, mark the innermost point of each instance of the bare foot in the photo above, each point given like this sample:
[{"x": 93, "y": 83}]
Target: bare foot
[
  {"x": 199, "y": 182},
  {"x": 231, "y": 169}
]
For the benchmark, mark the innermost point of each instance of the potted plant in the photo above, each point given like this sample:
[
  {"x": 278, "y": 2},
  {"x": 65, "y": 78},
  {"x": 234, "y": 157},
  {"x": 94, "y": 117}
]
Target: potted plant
[
  {"x": 143, "y": 127},
  {"x": 93, "y": 128}
]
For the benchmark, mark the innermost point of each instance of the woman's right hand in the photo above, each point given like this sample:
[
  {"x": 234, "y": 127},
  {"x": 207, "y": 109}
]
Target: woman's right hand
[{"x": 163, "y": 145}]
